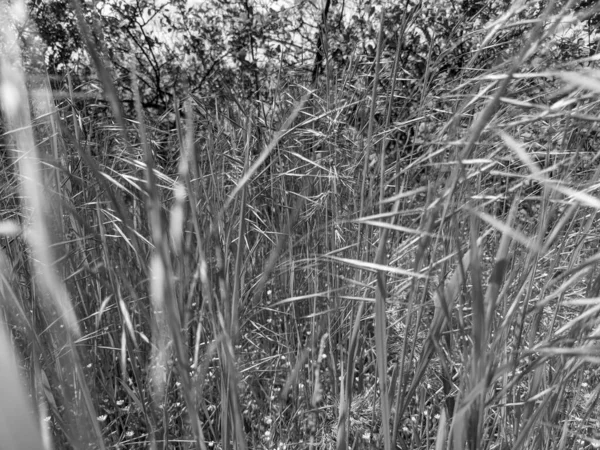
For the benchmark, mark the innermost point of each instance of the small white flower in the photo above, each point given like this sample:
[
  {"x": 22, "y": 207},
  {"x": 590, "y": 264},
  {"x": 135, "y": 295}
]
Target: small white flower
[{"x": 102, "y": 418}]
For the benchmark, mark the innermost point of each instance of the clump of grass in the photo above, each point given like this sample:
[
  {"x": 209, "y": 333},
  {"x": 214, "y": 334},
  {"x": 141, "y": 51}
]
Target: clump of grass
[{"x": 208, "y": 286}]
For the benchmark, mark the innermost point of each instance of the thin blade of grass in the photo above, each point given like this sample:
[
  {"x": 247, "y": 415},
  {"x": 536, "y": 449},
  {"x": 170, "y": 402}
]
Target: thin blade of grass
[
  {"x": 378, "y": 267},
  {"x": 381, "y": 333},
  {"x": 18, "y": 430}
]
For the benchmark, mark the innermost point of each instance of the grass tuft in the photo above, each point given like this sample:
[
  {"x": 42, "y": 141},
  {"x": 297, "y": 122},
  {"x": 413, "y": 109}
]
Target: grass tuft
[{"x": 384, "y": 258}]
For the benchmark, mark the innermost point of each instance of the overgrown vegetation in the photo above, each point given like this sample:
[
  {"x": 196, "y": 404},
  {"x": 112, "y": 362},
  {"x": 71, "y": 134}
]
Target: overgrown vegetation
[{"x": 397, "y": 250}]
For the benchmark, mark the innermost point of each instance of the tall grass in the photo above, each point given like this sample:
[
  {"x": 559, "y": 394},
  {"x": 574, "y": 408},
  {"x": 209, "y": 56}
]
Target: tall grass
[{"x": 365, "y": 276}]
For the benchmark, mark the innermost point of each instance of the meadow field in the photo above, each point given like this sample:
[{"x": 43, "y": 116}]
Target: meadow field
[{"x": 378, "y": 258}]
